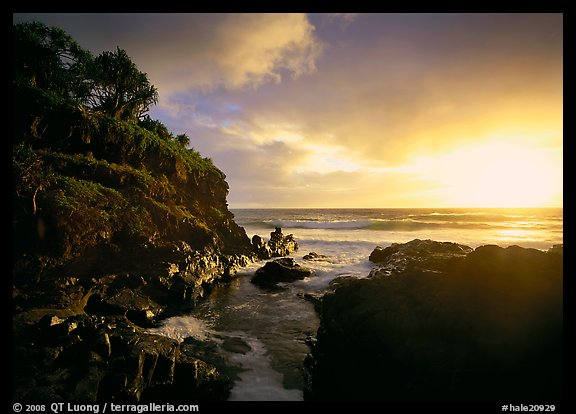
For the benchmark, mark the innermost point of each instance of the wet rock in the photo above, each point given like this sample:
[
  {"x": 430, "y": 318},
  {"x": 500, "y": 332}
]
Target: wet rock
[
  {"x": 425, "y": 255},
  {"x": 315, "y": 299},
  {"x": 102, "y": 344},
  {"x": 258, "y": 242},
  {"x": 106, "y": 357},
  {"x": 49, "y": 320},
  {"x": 315, "y": 256},
  {"x": 87, "y": 386},
  {"x": 196, "y": 377},
  {"x": 210, "y": 352},
  {"x": 142, "y": 317},
  {"x": 280, "y": 270},
  {"x": 279, "y": 245},
  {"x": 486, "y": 327}
]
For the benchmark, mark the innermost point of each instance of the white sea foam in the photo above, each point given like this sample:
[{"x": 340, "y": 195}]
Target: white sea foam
[
  {"x": 259, "y": 381},
  {"x": 181, "y": 327}
]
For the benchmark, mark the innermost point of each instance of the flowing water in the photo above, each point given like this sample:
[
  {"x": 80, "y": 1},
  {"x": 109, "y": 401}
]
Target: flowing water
[{"x": 264, "y": 332}]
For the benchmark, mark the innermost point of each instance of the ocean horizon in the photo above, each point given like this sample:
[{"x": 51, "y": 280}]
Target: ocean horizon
[{"x": 539, "y": 228}]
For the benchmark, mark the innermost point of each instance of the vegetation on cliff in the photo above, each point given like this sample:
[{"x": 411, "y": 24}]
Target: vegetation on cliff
[
  {"x": 116, "y": 223},
  {"x": 91, "y": 168}
]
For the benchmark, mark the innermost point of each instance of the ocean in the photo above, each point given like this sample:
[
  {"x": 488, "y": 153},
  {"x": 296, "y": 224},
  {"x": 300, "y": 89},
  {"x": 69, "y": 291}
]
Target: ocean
[
  {"x": 275, "y": 326},
  {"x": 348, "y": 236},
  {"x": 528, "y": 227}
]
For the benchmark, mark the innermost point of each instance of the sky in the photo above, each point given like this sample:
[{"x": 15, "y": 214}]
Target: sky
[{"x": 356, "y": 110}]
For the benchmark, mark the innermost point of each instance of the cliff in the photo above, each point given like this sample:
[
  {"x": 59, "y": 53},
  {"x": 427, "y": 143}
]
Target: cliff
[
  {"x": 116, "y": 223},
  {"x": 118, "y": 229}
]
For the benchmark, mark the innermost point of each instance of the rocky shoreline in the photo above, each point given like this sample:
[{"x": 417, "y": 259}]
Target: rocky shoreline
[
  {"x": 80, "y": 334},
  {"x": 442, "y": 321},
  {"x": 432, "y": 321}
]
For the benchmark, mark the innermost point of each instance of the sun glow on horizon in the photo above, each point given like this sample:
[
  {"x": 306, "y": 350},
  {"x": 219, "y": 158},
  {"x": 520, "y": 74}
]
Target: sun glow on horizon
[{"x": 495, "y": 173}]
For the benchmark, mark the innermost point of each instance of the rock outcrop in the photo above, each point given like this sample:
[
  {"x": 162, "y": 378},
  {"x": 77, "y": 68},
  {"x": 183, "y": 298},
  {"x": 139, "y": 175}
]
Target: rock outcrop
[
  {"x": 98, "y": 322},
  {"x": 441, "y": 324},
  {"x": 280, "y": 270},
  {"x": 279, "y": 245},
  {"x": 107, "y": 358},
  {"x": 416, "y": 254}
]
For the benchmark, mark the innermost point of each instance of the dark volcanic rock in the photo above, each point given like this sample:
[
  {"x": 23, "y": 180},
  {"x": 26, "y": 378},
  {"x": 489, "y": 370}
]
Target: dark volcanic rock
[
  {"x": 110, "y": 358},
  {"x": 280, "y": 270},
  {"x": 89, "y": 328},
  {"x": 279, "y": 245},
  {"x": 486, "y": 327},
  {"x": 315, "y": 256},
  {"x": 422, "y": 254}
]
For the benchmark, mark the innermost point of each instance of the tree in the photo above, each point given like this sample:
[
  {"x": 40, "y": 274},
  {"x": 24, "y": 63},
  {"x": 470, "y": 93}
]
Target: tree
[
  {"x": 48, "y": 58},
  {"x": 118, "y": 88},
  {"x": 30, "y": 173},
  {"x": 182, "y": 139}
]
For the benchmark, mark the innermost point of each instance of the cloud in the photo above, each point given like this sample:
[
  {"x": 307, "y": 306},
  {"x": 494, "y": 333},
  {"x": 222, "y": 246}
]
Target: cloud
[
  {"x": 234, "y": 51},
  {"x": 257, "y": 48},
  {"x": 377, "y": 105},
  {"x": 318, "y": 107}
]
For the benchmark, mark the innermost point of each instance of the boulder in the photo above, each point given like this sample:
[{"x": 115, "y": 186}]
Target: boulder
[
  {"x": 261, "y": 248},
  {"x": 315, "y": 256},
  {"x": 280, "y": 270},
  {"x": 427, "y": 255},
  {"x": 108, "y": 357},
  {"x": 279, "y": 245}
]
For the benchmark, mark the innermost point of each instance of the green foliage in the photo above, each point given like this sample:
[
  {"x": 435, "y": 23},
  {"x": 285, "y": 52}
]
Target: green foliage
[
  {"x": 88, "y": 207},
  {"x": 183, "y": 140},
  {"x": 30, "y": 175},
  {"x": 117, "y": 88},
  {"x": 49, "y": 59},
  {"x": 217, "y": 213},
  {"x": 63, "y": 94},
  {"x": 122, "y": 177},
  {"x": 140, "y": 146},
  {"x": 29, "y": 170},
  {"x": 75, "y": 194},
  {"x": 155, "y": 126},
  {"x": 89, "y": 163}
]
